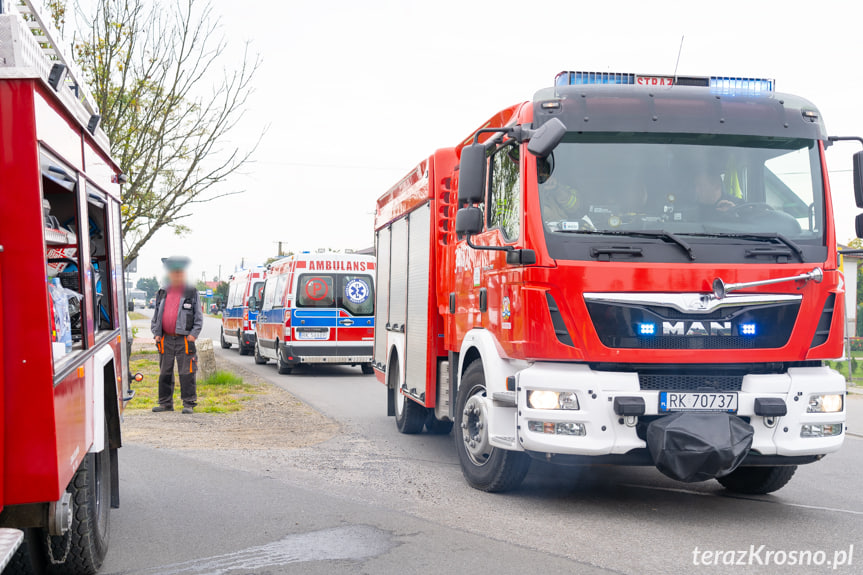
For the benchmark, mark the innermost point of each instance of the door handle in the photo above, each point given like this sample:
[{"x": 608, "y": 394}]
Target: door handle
[{"x": 347, "y": 322}]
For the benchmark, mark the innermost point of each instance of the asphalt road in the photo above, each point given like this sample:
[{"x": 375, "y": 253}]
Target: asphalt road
[{"x": 373, "y": 501}]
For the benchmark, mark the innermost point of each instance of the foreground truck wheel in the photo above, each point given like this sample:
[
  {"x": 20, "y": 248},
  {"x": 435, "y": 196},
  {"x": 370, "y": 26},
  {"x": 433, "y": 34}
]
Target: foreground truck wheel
[
  {"x": 757, "y": 480},
  {"x": 485, "y": 467}
]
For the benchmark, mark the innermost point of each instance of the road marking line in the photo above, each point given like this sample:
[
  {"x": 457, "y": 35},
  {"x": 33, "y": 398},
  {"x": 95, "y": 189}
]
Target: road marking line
[{"x": 703, "y": 494}]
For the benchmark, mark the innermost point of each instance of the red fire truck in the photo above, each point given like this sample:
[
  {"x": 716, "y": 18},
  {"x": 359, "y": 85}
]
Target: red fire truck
[
  {"x": 626, "y": 270},
  {"x": 317, "y": 308},
  {"x": 62, "y": 307},
  {"x": 238, "y": 318}
]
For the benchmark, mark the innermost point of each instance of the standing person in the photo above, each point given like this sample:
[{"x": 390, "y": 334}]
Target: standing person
[{"x": 177, "y": 323}]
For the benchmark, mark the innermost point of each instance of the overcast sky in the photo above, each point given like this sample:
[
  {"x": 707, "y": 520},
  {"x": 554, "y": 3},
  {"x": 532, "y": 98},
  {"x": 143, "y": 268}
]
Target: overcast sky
[{"x": 355, "y": 93}]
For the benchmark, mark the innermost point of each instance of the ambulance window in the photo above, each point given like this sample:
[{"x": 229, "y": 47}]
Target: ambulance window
[
  {"x": 316, "y": 291},
  {"x": 258, "y": 290},
  {"x": 232, "y": 294},
  {"x": 357, "y": 294},
  {"x": 504, "y": 199},
  {"x": 279, "y": 291},
  {"x": 270, "y": 292},
  {"x": 65, "y": 260}
]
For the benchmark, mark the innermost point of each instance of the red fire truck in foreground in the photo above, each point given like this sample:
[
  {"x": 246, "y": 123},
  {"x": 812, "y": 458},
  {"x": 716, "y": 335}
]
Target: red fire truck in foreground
[
  {"x": 62, "y": 308},
  {"x": 625, "y": 270}
]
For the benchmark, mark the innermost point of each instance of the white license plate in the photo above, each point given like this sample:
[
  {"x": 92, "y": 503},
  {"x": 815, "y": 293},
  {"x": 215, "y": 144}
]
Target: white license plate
[
  {"x": 697, "y": 401},
  {"x": 308, "y": 333}
]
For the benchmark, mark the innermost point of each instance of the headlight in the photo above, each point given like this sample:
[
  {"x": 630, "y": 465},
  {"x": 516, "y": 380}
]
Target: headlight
[
  {"x": 544, "y": 399},
  {"x": 825, "y": 403}
]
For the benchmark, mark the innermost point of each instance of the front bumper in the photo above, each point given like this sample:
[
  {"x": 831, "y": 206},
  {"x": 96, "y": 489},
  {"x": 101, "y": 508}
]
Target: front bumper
[{"x": 608, "y": 434}]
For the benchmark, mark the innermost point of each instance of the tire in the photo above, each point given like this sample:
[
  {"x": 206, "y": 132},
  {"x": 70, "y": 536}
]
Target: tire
[
  {"x": 367, "y": 369},
  {"x": 437, "y": 427},
  {"x": 757, "y": 480},
  {"x": 244, "y": 349},
  {"x": 225, "y": 344},
  {"x": 82, "y": 549},
  {"x": 284, "y": 367},
  {"x": 410, "y": 415},
  {"x": 484, "y": 467},
  {"x": 260, "y": 359}
]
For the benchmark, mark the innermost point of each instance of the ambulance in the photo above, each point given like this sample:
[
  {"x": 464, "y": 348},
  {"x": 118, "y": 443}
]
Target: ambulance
[
  {"x": 238, "y": 318},
  {"x": 317, "y": 309}
]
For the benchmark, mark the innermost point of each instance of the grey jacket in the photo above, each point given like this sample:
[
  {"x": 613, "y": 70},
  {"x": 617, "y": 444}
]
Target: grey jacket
[{"x": 190, "y": 313}]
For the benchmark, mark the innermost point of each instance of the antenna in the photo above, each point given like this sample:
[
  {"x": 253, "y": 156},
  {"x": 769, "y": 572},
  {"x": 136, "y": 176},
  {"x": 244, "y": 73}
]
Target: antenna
[{"x": 679, "y": 52}]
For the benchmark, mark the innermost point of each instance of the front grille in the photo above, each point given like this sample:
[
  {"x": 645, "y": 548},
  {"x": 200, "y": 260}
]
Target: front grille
[
  {"x": 689, "y": 382},
  {"x": 694, "y": 342}
]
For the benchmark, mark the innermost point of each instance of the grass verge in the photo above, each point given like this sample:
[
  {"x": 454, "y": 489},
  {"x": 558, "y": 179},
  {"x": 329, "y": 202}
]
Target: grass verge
[
  {"x": 137, "y": 315},
  {"x": 224, "y": 392}
]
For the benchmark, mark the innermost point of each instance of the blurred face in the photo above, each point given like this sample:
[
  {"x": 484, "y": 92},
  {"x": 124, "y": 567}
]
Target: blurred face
[
  {"x": 177, "y": 278},
  {"x": 708, "y": 190}
]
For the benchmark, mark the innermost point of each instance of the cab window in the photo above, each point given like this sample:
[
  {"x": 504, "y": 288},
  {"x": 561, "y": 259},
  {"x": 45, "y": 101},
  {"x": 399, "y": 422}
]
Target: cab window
[
  {"x": 504, "y": 197},
  {"x": 279, "y": 291},
  {"x": 269, "y": 292}
]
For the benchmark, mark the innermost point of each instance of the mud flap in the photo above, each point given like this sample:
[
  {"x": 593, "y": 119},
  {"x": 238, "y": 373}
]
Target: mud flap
[{"x": 694, "y": 447}]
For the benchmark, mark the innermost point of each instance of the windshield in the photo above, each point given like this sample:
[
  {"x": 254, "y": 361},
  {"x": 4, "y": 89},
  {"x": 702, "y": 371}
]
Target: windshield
[{"x": 709, "y": 189}]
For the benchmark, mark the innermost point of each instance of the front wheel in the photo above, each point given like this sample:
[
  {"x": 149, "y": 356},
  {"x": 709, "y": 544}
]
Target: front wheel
[
  {"x": 757, "y": 480},
  {"x": 259, "y": 359},
  {"x": 484, "y": 467},
  {"x": 225, "y": 344}
]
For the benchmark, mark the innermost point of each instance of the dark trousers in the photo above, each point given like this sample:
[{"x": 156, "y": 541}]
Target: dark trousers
[{"x": 177, "y": 349}]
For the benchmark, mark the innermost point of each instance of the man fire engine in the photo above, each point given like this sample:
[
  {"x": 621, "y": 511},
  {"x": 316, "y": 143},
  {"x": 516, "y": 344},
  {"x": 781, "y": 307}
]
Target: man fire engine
[
  {"x": 626, "y": 270},
  {"x": 62, "y": 307}
]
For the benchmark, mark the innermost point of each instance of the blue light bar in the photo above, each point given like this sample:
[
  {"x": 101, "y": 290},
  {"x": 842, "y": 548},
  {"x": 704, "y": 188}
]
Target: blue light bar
[
  {"x": 647, "y": 329},
  {"x": 747, "y": 329},
  {"x": 729, "y": 86},
  {"x": 582, "y": 78}
]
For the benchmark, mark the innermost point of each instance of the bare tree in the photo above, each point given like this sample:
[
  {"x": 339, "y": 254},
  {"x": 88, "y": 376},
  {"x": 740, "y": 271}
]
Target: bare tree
[{"x": 168, "y": 105}]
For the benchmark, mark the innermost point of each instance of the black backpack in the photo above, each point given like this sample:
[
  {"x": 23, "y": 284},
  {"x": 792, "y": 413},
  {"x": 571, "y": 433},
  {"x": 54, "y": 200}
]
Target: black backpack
[{"x": 189, "y": 297}]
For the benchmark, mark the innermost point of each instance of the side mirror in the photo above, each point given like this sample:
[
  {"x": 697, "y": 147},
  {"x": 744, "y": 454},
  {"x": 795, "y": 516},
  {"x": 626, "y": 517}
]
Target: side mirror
[
  {"x": 858, "y": 224},
  {"x": 471, "y": 174},
  {"x": 546, "y": 138},
  {"x": 858, "y": 181},
  {"x": 468, "y": 221}
]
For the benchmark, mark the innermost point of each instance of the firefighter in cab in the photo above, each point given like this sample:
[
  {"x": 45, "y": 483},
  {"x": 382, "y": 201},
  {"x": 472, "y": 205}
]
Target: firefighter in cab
[{"x": 177, "y": 323}]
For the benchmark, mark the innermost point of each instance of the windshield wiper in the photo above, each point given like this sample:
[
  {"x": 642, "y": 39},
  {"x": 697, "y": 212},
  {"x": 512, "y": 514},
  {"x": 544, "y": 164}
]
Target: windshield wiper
[
  {"x": 662, "y": 234},
  {"x": 771, "y": 237}
]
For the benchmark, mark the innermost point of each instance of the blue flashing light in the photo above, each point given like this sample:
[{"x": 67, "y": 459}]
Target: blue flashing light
[
  {"x": 582, "y": 78},
  {"x": 747, "y": 329},
  {"x": 647, "y": 329},
  {"x": 728, "y": 86}
]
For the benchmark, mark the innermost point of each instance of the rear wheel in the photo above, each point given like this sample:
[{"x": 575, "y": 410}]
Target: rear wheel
[
  {"x": 259, "y": 359},
  {"x": 484, "y": 467},
  {"x": 225, "y": 344},
  {"x": 410, "y": 416},
  {"x": 244, "y": 349},
  {"x": 284, "y": 367},
  {"x": 757, "y": 480},
  {"x": 367, "y": 369}
]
